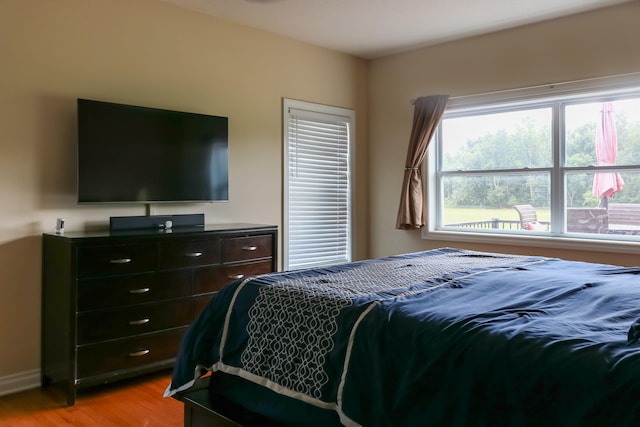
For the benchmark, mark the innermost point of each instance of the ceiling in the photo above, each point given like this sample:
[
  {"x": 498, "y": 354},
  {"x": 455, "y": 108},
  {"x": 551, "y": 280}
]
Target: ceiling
[{"x": 375, "y": 28}]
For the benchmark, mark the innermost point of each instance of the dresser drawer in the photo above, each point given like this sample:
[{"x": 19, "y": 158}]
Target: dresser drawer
[
  {"x": 240, "y": 271},
  {"x": 213, "y": 279},
  {"x": 132, "y": 321},
  {"x": 245, "y": 248},
  {"x": 181, "y": 253},
  {"x": 128, "y": 353},
  {"x": 133, "y": 290},
  {"x": 117, "y": 259}
]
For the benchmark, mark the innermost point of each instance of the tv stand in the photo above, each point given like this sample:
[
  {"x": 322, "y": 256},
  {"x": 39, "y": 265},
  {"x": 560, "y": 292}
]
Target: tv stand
[
  {"x": 155, "y": 222},
  {"x": 115, "y": 304}
]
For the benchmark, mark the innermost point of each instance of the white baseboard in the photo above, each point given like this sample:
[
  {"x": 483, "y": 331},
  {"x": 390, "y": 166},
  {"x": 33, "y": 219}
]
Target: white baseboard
[{"x": 18, "y": 382}]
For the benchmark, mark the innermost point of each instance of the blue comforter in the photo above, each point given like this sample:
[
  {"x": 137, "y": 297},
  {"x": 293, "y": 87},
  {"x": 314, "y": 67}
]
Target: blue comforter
[{"x": 438, "y": 338}]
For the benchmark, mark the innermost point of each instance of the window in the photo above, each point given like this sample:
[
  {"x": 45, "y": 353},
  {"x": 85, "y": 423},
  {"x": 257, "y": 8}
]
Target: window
[
  {"x": 317, "y": 184},
  {"x": 565, "y": 165}
]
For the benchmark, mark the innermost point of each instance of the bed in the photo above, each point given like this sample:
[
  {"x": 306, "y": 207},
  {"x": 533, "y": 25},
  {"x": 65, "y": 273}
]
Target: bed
[{"x": 445, "y": 337}]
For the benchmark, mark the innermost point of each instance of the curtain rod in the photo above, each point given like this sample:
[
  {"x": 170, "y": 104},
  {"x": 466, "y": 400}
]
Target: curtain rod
[{"x": 620, "y": 78}]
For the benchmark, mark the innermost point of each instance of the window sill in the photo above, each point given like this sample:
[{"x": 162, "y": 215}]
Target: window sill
[{"x": 542, "y": 240}]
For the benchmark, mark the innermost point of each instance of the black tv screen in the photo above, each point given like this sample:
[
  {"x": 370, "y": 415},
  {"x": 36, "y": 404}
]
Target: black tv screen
[{"x": 132, "y": 154}]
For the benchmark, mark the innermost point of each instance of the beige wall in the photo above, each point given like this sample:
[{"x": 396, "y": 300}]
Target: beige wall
[
  {"x": 142, "y": 52},
  {"x": 595, "y": 44}
]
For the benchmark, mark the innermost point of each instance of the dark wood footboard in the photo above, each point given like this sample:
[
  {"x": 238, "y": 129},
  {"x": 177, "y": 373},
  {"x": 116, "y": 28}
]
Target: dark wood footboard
[
  {"x": 198, "y": 411},
  {"x": 201, "y": 411}
]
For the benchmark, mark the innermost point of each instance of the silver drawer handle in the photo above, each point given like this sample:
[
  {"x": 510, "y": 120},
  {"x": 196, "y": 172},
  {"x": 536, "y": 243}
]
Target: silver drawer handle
[
  {"x": 120, "y": 261},
  {"x": 139, "y": 322},
  {"x": 236, "y": 276},
  {"x": 139, "y": 291},
  {"x": 193, "y": 254},
  {"x": 249, "y": 248},
  {"x": 139, "y": 353}
]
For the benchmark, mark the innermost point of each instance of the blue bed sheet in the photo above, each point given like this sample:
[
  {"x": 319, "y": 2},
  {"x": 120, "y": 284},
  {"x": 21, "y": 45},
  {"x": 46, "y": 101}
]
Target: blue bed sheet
[{"x": 446, "y": 337}]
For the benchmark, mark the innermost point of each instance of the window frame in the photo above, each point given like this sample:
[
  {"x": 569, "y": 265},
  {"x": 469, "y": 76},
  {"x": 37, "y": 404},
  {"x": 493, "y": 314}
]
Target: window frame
[
  {"x": 342, "y": 114},
  {"x": 556, "y": 96}
]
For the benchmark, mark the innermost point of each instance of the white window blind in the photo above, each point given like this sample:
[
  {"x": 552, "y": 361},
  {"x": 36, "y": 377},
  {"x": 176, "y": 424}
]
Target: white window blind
[{"x": 317, "y": 186}]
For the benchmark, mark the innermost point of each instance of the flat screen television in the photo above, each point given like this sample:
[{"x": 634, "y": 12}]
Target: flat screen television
[{"x": 133, "y": 154}]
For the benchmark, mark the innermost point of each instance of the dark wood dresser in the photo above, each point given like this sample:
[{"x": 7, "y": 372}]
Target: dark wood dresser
[{"x": 116, "y": 304}]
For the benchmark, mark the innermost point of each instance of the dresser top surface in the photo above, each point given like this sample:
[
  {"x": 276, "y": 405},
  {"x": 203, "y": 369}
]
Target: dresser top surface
[{"x": 190, "y": 230}]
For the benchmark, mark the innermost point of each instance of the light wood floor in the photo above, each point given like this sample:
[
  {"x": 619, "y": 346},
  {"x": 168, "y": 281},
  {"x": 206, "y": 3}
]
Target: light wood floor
[{"x": 135, "y": 403}]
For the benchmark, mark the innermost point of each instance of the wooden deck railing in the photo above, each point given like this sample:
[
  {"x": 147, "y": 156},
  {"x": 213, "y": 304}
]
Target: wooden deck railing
[
  {"x": 619, "y": 218},
  {"x": 494, "y": 223}
]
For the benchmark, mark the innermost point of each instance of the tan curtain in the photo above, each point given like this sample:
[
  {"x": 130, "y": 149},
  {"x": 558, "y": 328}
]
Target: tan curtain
[{"x": 427, "y": 113}]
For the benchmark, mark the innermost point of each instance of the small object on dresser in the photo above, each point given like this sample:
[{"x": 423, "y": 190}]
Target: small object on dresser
[{"x": 60, "y": 226}]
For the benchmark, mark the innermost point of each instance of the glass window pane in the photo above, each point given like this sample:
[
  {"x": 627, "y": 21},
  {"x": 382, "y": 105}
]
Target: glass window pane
[
  {"x": 603, "y": 134},
  {"x": 616, "y": 214},
  {"x": 505, "y": 140},
  {"x": 582, "y": 188},
  {"x": 487, "y": 201}
]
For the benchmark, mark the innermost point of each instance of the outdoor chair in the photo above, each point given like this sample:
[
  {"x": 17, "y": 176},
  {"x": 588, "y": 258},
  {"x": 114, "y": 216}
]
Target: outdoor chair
[
  {"x": 529, "y": 218},
  {"x": 587, "y": 220}
]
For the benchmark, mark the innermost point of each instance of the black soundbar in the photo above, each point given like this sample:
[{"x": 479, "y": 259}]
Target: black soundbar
[{"x": 158, "y": 222}]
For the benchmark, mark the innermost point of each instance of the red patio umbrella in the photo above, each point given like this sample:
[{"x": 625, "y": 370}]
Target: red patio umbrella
[{"x": 606, "y": 184}]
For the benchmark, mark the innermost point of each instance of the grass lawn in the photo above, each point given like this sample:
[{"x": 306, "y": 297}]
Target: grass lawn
[{"x": 455, "y": 215}]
